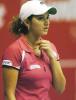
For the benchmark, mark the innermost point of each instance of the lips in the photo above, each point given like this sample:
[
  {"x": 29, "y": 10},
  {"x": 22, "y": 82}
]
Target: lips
[{"x": 45, "y": 27}]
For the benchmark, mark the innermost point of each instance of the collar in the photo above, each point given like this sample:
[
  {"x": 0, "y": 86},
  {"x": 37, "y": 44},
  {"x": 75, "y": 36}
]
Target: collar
[{"x": 25, "y": 44}]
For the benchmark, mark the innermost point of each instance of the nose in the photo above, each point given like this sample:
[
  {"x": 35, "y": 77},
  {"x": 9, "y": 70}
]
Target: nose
[{"x": 46, "y": 22}]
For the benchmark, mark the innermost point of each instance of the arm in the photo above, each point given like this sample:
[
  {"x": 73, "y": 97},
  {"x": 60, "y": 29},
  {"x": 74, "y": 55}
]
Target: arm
[
  {"x": 10, "y": 76},
  {"x": 59, "y": 80}
]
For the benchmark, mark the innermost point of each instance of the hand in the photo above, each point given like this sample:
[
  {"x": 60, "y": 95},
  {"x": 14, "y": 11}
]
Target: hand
[
  {"x": 46, "y": 45},
  {"x": 37, "y": 50}
]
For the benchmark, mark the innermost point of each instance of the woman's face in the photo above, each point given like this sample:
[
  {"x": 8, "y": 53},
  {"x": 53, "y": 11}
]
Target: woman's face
[{"x": 39, "y": 24}]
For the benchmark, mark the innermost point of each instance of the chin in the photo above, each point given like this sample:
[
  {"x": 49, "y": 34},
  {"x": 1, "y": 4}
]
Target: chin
[{"x": 45, "y": 33}]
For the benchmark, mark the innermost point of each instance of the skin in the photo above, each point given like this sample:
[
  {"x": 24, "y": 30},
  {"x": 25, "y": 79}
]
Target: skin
[
  {"x": 37, "y": 28},
  {"x": 10, "y": 77}
]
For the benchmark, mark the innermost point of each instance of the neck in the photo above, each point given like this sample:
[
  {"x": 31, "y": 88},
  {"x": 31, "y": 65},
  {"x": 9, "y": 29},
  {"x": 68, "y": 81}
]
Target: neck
[{"x": 32, "y": 38}]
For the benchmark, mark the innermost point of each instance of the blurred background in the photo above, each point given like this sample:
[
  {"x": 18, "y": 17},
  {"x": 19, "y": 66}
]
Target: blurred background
[{"x": 62, "y": 33}]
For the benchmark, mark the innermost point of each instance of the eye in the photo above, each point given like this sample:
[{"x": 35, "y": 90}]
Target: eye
[{"x": 40, "y": 17}]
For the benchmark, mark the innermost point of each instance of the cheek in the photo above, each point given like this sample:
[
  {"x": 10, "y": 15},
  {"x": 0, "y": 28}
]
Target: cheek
[{"x": 37, "y": 27}]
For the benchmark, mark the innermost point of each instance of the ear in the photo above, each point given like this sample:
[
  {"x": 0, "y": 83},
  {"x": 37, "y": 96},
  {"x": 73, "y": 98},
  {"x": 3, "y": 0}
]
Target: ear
[{"x": 27, "y": 22}]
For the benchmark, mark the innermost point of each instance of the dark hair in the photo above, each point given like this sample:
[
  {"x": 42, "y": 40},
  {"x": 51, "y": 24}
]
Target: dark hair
[{"x": 18, "y": 27}]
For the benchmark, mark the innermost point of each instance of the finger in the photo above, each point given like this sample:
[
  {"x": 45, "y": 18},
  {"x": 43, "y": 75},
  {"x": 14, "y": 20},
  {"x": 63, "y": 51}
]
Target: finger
[
  {"x": 44, "y": 45},
  {"x": 44, "y": 48},
  {"x": 45, "y": 42},
  {"x": 38, "y": 42},
  {"x": 42, "y": 41}
]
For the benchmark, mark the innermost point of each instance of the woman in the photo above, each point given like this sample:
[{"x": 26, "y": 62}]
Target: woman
[{"x": 31, "y": 64}]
